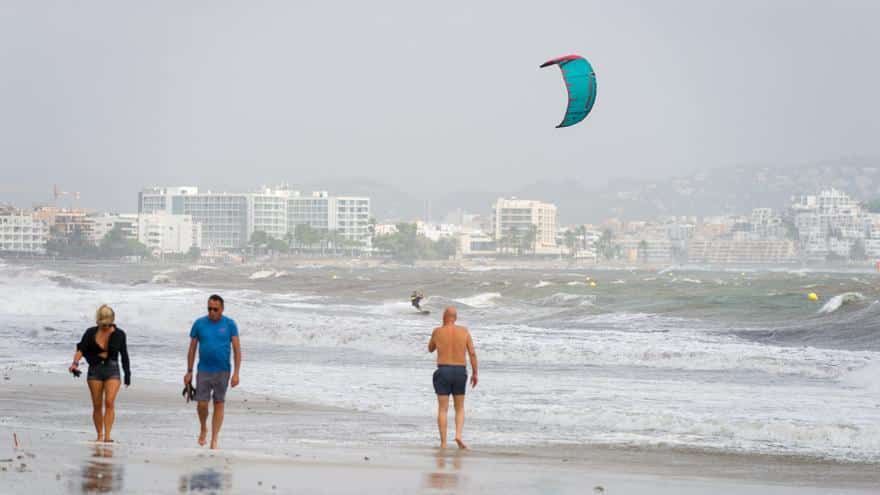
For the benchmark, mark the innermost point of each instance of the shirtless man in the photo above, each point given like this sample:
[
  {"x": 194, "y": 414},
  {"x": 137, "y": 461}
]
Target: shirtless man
[{"x": 451, "y": 341}]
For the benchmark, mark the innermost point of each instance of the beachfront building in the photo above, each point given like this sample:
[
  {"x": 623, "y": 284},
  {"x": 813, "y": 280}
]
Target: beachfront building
[
  {"x": 267, "y": 212},
  {"x": 229, "y": 219},
  {"x": 223, "y": 216},
  {"x": 476, "y": 243},
  {"x": 350, "y": 218},
  {"x": 741, "y": 251},
  {"x": 653, "y": 250},
  {"x": 385, "y": 229},
  {"x": 872, "y": 236},
  {"x": 103, "y": 224},
  {"x": 828, "y": 223},
  {"x": 518, "y": 222},
  {"x": 21, "y": 232},
  {"x": 66, "y": 224},
  {"x": 437, "y": 231},
  {"x": 766, "y": 224},
  {"x": 312, "y": 210},
  {"x": 166, "y": 233}
]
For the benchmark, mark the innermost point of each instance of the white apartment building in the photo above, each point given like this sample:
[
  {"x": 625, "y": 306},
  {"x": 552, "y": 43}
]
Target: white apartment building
[
  {"x": 103, "y": 224},
  {"x": 22, "y": 233},
  {"x": 741, "y": 252},
  {"x": 349, "y": 216},
  {"x": 164, "y": 233},
  {"x": 476, "y": 244},
  {"x": 223, "y": 216},
  {"x": 267, "y": 212},
  {"x": 513, "y": 217},
  {"x": 312, "y": 210},
  {"x": 765, "y": 224},
  {"x": 229, "y": 219},
  {"x": 385, "y": 229},
  {"x": 437, "y": 231},
  {"x": 828, "y": 222}
]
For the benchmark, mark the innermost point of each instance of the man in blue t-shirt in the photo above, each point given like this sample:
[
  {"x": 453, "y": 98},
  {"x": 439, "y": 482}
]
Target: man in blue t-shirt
[{"x": 212, "y": 335}]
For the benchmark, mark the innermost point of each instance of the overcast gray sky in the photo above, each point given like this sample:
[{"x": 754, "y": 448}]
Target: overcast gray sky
[{"x": 105, "y": 97}]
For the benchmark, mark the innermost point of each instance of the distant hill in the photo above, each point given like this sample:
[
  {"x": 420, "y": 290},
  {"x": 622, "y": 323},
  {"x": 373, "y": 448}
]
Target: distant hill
[{"x": 724, "y": 190}]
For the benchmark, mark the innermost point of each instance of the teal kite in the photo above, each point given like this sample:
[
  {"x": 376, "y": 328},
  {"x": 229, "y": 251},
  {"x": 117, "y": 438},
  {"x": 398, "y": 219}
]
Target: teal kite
[{"x": 580, "y": 80}]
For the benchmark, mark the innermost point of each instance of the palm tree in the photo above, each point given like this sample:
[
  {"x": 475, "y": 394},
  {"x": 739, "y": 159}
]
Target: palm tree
[
  {"x": 571, "y": 242},
  {"x": 581, "y": 233},
  {"x": 643, "y": 251},
  {"x": 605, "y": 244},
  {"x": 529, "y": 238}
]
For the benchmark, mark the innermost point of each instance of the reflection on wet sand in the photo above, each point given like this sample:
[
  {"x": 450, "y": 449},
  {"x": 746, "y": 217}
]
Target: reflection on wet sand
[
  {"x": 206, "y": 480},
  {"x": 100, "y": 474},
  {"x": 442, "y": 478}
]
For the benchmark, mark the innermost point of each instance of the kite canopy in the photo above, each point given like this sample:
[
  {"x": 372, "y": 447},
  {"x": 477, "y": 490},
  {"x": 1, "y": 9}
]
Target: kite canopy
[{"x": 580, "y": 80}]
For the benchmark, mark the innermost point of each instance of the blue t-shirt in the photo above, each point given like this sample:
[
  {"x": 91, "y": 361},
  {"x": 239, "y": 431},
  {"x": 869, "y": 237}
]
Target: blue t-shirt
[{"x": 215, "y": 342}]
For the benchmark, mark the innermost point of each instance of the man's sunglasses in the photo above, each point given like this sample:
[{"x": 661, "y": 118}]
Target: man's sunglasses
[{"x": 210, "y": 309}]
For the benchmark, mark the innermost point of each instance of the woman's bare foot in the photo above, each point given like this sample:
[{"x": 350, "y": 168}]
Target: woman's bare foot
[
  {"x": 108, "y": 440},
  {"x": 99, "y": 439},
  {"x": 213, "y": 444},
  {"x": 461, "y": 444},
  {"x": 443, "y": 445},
  {"x": 203, "y": 437}
]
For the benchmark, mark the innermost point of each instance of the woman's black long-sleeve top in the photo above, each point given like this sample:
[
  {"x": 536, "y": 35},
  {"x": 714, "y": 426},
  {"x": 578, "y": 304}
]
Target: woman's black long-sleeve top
[{"x": 115, "y": 346}]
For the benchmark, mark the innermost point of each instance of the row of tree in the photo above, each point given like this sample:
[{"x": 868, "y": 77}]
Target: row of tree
[
  {"x": 407, "y": 245},
  {"x": 115, "y": 244},
  {"x": 304, "y": 238}
]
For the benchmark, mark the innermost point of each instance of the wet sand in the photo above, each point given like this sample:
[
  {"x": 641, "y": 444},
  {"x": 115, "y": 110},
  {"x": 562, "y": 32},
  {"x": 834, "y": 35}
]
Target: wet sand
[{"x": 271, "y": 446}]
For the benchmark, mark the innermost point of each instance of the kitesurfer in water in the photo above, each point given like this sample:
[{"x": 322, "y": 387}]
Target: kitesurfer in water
[{"x": 416, "y": 298}]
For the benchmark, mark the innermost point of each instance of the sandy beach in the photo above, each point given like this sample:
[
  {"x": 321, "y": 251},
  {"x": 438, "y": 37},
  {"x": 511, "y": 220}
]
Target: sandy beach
[{"x": 271, "y": 446}]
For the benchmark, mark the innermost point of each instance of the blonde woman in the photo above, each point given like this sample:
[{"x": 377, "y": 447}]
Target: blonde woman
[{"x": 102, "y": 345}]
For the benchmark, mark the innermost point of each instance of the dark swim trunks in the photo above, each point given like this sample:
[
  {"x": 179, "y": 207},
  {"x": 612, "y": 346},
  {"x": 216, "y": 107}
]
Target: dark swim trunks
[
  {"x": 103, "y": 370},
  {"x": 450, "y": 379}
]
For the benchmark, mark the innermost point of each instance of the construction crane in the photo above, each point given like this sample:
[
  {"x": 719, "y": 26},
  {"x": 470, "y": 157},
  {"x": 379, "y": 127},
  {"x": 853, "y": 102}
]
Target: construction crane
[{"x": 56, "y": 193}]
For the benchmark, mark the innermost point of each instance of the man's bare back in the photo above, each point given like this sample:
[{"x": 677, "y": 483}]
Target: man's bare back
[{"x": 452, "y": 343}]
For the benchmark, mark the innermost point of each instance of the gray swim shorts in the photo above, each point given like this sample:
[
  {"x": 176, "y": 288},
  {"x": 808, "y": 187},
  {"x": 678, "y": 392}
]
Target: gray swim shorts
[{"x": 208, "y": 384}]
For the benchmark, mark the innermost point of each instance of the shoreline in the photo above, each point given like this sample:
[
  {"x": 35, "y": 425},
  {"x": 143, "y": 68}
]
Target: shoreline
[
  {"x": 267, "y": 440},
  {"x": 474, "y": 264}
]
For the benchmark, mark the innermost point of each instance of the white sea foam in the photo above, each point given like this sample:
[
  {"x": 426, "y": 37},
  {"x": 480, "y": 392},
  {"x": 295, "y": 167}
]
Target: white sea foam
[
  {"x": 262, "y": 274},
  {"x": 542, "y": 283},
  {"x": 629, "y": 378},
  {"x": 840, "y": 300},
  {"x": 198, "y": 268},
  {"x": 484, "y": 300},
  {"x": 864, "y": 377}
]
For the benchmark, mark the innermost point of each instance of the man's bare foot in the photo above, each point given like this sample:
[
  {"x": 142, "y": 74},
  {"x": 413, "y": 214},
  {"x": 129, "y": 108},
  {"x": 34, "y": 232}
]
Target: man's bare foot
[
  {"x": 213, "y": 444},
  {"x": 203, "y": 437},
  {"x": 461, "y": 444},
  {"x": 443, "y": 445}
]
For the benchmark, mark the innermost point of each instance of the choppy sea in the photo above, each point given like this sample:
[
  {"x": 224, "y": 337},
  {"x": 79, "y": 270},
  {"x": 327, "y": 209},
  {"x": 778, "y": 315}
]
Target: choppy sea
[{"x": 722, "y": 361}]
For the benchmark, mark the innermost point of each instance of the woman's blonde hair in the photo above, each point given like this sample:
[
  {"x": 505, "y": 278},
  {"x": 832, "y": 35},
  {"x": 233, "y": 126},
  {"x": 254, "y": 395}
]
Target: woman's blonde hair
[{"x": 104, "y": 315}]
